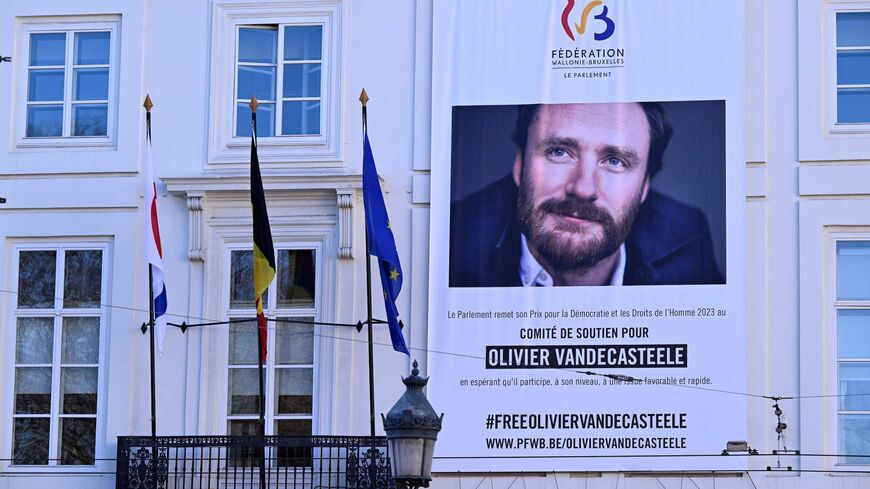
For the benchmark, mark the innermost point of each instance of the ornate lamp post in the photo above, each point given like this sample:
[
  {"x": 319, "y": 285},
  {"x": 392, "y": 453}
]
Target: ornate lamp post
[{"x": 412, "y": 427}]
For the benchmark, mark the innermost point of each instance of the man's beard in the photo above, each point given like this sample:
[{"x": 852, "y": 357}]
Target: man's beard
[{"x": 559, "y": 246}]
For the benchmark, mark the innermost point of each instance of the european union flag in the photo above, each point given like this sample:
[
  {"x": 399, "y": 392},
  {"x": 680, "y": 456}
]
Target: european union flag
[{"x": 382, "y": 244}]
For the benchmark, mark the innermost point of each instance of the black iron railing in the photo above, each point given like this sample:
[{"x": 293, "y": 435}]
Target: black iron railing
[{"x": 236, "y": 462}]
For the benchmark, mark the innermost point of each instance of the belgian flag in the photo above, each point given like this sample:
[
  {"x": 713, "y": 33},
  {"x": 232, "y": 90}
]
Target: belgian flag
[{"x": 264, "y": 250}]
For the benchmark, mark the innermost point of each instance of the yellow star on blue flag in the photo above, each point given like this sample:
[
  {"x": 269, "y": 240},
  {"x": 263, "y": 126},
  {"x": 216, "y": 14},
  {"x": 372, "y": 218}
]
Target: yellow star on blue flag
[{"x": 382, "y": 245}]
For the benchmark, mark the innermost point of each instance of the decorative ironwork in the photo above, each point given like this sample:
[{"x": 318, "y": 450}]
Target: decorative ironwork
[
  {"x": 367, "y": 471},
  {"x": 139, "y": 468},
  {"x": 234, "y": 462}
]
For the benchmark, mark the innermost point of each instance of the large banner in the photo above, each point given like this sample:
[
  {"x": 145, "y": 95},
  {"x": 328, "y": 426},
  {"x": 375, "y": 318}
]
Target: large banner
[{"x": 587, "y": 296}]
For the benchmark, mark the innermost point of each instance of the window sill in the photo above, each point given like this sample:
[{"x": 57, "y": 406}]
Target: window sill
[
  {"x": 66, "y": 143},
  {"x": 850, "y": 128},
  {"x": 314, "y": 151},
  {"x": 54, "y": 470},
  {"x": 281, "y": 141}
]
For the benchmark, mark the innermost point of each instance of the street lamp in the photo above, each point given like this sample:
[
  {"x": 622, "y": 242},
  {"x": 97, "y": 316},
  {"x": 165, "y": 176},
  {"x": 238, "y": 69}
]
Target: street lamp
[{"x": 412, "y": 427}]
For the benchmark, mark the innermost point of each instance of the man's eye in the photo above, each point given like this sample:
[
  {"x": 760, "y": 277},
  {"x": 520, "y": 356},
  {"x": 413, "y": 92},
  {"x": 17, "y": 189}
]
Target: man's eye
[
  {"x": 615, "y": 163},
  {"x": 558, "y": 153}
]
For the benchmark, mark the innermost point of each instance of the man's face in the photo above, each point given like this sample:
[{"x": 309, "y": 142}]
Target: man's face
[{"x": 582, "y": 178}]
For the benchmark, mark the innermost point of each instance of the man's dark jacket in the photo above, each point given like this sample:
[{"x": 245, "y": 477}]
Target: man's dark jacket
[{"x": 669, "y": 243}]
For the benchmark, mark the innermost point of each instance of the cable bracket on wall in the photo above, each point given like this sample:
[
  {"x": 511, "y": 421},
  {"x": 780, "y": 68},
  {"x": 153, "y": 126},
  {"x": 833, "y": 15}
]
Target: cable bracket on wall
[{"x": 782, "y": 449}]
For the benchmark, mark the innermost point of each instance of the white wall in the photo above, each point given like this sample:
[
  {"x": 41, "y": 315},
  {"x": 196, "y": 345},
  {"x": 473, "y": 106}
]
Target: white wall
[{"x": 803, "y": 184}]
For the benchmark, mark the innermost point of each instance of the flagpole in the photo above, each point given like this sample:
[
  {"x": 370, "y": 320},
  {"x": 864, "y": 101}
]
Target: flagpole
[
  {"x": 148, "y": 104},
  {"x": 151, "y": 337},
  {"x": 262, "y": 402},
  {"x": 364, "y": 98}
]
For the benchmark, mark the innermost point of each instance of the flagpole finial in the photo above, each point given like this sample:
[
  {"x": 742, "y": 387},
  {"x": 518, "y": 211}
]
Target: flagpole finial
[
  {"x": 364, "y": 97},
  {"x": 147, "y": 104},
  {"x": 254, "y": 104}
]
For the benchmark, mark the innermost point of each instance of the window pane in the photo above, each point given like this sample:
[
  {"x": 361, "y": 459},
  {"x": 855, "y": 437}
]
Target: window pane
[
  {"x": 90, "y": 120},
  {"x": 853, "y": 67},
  {"x": 854, "y": 438},
  {"x": 31, "y": 441},
  {"x": 91, "y": 84},
  {"x": 293, "y": 427},
  {"x": 78, "y": 436},
  {"x": 854, "y": 386},
  {"x": 243, "y": 427},
  {"x": 243, "y": 343},
  {"x": 265, "y": 120},
  {"x": 243, "y": 120},
  {"x": 36, "y": 278},
  {"x": 302, "y": 80},
  {"x": 243, "y": 456},
  {"x": 295, "y": 278},
  {"x": 34, "y": 340},
  {"x": 44, "y": 121},
  {"x": 47, "y": 49},
  {"x": 294, "y": 343},
  {"x": 853, "y": 105},
  {"x": 853, "y": 333},
  {"x": 32, "y": 390},
  {"x": 242, "y": 279},
  {"x": 293, "y": 390},
  {"x": 258, "y": 45},
  {"x": 303, "y": 42},
  {"x": 78, "y": 390},
  {"x": 301, "y": 118},
  {"x": 92, "y": 48},
  {"x": 257, "y": 80},
  {"x": 80, "y": 341},
  {"x": 853, "y": 29},
  {"x": 45, "y": 86},
  {"x": 83, "y": 275},
  {"x": 294, "y": 456},
  {"x": 244, "y": 391},
  {"x": 853, "y": 268}
]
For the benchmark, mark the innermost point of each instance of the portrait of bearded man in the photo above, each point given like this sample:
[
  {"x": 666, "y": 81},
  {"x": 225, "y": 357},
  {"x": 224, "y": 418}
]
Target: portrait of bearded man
[{"x": 577, "y": 208}]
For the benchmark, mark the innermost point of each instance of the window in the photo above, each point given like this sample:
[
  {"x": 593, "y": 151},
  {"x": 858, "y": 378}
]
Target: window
[
  {"x": 280, "y": 64},
  {"x": 58, "y": 323},
  {"x": 68, "y": 83},
  {"x": 852, "y": 308},
  {"x": 853, "y": 67},
  {"x": 289, "y": 369},
  {"x": 288, "y": 54},
  {"x": 833, "y": 40}
]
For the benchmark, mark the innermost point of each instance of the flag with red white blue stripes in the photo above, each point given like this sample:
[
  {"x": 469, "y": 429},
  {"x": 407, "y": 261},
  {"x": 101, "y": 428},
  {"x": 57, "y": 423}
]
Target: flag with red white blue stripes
[{"x": 153, "y": 248}]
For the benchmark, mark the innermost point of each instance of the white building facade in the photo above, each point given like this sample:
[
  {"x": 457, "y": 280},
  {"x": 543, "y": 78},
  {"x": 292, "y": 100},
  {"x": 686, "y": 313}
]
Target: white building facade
[{"x": 75, "y": 284}]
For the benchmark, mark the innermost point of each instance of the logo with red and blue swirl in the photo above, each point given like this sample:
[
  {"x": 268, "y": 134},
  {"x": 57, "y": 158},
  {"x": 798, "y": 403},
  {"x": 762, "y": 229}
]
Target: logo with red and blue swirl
[{"x": 593, "y": 18}]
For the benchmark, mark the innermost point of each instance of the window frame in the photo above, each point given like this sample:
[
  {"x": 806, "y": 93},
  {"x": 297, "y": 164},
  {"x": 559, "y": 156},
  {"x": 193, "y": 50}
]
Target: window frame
[
  {"x": 271, "y": 311},
  {"x": 832, "y": 350},
  {"x": 70, "y": 26},
  {"x": 279, "y": 81},
  {"x": 225, "y": 150},
  {"x": 831, "y": 85},
  {"x": 58, "y": 312}
]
